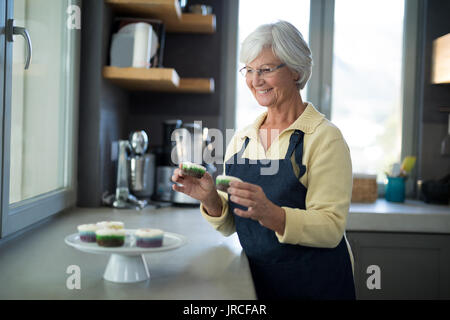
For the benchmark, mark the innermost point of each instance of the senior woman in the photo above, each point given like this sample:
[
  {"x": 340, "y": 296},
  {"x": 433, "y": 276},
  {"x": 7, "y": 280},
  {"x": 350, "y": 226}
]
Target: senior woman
[{"x": 290, "y": 222}]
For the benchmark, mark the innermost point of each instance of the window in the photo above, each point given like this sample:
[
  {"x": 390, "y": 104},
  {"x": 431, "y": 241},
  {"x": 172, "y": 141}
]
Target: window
[
  {"x": 39, "y": 112},
  {"x": 366, "y": 102},
  {"x": 250, "y": 17}
]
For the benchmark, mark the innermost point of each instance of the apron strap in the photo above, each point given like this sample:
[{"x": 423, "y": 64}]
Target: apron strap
[
  {"x": 244, "y": 146},
  {"x": 296, "y": 137},
  {"x": 296, "y": 144}
]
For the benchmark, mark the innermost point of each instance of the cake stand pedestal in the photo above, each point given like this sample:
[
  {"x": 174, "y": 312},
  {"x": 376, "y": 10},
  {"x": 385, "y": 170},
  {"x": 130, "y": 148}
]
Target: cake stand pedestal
[
  {"x": 125, "y": 269},
  {"x": 126, "y": 264}
]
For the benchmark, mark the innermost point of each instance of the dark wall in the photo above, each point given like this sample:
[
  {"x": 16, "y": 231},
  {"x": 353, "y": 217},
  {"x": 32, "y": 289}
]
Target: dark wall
[
  {"x": 433, "y": 122},
  {"x": 103, "y": 108},
  {"x": 191, "y": 55}
]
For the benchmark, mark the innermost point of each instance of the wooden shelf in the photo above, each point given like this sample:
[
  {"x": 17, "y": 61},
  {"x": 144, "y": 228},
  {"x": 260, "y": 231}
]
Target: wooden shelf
[
  {"x": 156, "y": 79},
  {"x": 193, "y": 23},
  {"x": 196, "y": 85},
  {"x": 169, "y": 12}
]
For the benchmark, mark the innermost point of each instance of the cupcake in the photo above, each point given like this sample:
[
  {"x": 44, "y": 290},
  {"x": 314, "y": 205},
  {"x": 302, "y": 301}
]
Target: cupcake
[
  {"x": 149, "y": 238},
  {"x": 110, "y": 237},
  {"x": 223, "y": 182},
  {"x": 192, "y": 169},
  {"x": 110, "y": 225},
  {"x": 87, "y": 232}
]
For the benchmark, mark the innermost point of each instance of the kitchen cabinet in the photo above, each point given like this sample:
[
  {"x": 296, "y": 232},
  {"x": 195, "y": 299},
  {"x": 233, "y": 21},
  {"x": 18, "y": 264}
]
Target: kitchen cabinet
[
  {"x": 411, "y": 265},
  {"x": 161, "y": 79}
]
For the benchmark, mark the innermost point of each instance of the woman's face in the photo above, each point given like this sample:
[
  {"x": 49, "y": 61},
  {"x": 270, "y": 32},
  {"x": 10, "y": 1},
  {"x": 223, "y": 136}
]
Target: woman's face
[{"x": 274, "y": 88}]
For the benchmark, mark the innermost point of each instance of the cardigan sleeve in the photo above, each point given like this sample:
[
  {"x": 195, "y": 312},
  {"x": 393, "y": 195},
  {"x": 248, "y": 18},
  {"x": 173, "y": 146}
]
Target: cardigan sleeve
[{"x": 225, "y": 223}]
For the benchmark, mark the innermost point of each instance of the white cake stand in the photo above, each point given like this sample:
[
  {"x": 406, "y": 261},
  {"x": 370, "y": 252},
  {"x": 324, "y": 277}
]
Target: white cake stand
[{"x": 127, "y": 263}]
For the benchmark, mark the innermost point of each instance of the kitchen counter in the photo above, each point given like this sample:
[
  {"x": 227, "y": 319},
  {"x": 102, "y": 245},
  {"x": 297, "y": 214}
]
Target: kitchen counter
[
  {"x": 33, "y": 265},
  {"x": 411, "y": 216}
]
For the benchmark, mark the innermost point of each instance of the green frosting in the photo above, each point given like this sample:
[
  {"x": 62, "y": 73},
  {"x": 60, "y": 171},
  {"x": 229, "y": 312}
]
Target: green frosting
[
  {"x": 193, "y": 168},
  {"x": 223, "y": 181},
  {"x": 110, "y": 237}
]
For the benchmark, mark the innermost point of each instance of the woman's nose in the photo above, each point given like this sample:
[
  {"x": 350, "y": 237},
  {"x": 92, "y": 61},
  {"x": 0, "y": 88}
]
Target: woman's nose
[{"x": 256, "y": 79}]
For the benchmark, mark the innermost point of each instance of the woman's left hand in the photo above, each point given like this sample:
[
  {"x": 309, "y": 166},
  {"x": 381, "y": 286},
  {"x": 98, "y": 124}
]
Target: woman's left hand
[{"x": 258, "y": 206}]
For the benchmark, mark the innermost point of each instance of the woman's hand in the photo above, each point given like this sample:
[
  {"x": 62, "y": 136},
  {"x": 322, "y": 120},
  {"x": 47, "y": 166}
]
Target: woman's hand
[
  {"x": 203, "y": 189},
  {"x": 259, "y": 207}
]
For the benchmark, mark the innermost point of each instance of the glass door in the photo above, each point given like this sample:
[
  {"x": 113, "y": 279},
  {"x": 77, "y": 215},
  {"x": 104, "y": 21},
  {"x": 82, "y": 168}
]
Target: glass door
[{"x": 40, "y": 110}]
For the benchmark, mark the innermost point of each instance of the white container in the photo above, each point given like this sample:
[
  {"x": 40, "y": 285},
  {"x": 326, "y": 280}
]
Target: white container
[{"x": 134, "y": 46}]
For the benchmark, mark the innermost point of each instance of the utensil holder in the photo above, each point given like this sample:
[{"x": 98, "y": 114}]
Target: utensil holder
[{"x": 395, "y": 189}]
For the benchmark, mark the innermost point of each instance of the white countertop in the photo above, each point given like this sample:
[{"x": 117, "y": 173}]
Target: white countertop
[
  {"x": 210, "y": 266},
  {"x": 410, "y": 216}
]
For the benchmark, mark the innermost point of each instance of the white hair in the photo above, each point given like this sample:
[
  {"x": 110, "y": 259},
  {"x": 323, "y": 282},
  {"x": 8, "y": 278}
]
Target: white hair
[{"x": 287, "y": 44}]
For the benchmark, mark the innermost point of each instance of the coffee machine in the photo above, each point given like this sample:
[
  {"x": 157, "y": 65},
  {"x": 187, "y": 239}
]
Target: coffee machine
[
  {"x": 182, "y": 142},
  {"x": 164, "y": 163}
]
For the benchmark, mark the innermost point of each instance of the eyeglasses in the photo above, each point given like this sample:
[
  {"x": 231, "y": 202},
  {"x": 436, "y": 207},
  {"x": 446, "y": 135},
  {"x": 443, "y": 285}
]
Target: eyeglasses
[{"x": 248, "y": 72}]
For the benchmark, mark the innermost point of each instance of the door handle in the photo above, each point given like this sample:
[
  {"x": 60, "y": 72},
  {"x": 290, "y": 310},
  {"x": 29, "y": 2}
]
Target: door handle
[{"x": 11, "y": 30}]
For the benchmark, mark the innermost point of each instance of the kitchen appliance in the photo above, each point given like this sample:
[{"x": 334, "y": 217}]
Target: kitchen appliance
[
  {"x": 190, "y": 142},
  {"x": 182, "y": 142},
  {"x": 134, "y": 45},
  {"x": 165, "y": 165},
  {"x": 141, "y": 166},
  {"x": 135, "y": 173},
  {"x": 123, "y": 198}
]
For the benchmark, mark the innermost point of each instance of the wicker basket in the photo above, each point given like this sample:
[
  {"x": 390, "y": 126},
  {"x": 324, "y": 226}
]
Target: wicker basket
[{"x": 365, "y": 188}]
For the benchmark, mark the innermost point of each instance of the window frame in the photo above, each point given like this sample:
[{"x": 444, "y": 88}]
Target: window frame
[{"x": 20, "y": 215}]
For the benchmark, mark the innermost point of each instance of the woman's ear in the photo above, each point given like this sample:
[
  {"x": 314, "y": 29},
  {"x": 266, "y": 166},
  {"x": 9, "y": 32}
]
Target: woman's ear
[{"x": 296, "y": 76}]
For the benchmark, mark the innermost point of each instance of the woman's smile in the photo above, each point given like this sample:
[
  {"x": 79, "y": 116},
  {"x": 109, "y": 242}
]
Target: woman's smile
[{"x": 264, "y": 91}]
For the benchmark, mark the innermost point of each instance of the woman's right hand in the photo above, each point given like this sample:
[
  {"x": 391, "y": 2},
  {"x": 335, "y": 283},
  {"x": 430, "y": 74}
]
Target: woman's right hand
[{"x": 203, "y": 189}]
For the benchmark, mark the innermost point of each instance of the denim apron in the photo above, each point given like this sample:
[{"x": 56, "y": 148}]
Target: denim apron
[{"x": 280, "y": 270}]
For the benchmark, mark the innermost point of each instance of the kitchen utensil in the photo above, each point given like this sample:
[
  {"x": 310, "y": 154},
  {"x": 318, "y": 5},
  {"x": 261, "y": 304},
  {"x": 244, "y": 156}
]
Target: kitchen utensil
[
  {"x": 407, "y": 165},
  {"x": 395, "y": 170}
]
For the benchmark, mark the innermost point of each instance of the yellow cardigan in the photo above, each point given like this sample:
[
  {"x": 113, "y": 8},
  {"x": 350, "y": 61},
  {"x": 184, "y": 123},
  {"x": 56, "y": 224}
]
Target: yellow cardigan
[{"x": 328, "y": 180}]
